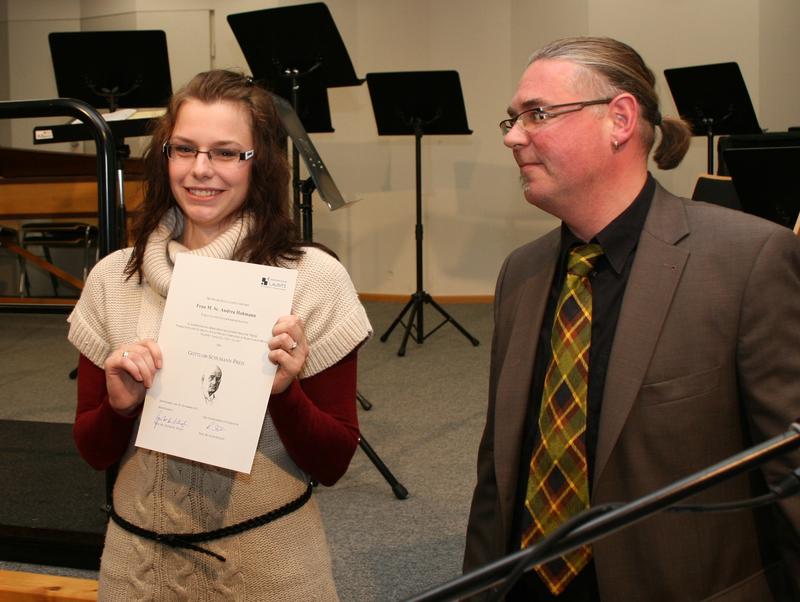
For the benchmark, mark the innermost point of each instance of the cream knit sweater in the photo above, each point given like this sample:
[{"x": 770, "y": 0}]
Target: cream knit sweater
[{"x": 287, "y": 559}]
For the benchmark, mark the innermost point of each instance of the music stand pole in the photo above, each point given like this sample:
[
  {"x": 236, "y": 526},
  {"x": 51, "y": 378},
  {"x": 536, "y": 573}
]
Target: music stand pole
[
  {"x": 418, "y": 228},
  {"x": 298, "y": 219},
  {"x": 301, "y": 189},
  {"x": 306, "y": 188},
  {"x": 416, "y": 319},
  {"x": 417, "y": 308},
  {"x": 710, "y": 145}
]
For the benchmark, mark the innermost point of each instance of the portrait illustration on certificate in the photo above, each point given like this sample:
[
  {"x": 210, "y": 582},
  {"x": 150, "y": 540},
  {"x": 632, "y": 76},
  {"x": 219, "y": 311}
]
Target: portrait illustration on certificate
[{"x": 209, "y": 384}]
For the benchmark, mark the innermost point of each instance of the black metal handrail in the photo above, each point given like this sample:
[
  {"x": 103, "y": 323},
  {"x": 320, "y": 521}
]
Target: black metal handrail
[{"x": 108, "y": 217}]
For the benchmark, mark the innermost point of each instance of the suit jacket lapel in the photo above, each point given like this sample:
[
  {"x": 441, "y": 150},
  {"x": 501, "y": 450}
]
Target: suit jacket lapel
[
  {"x": 514, "y": 380},
  {"x": 654, "y": 277}
]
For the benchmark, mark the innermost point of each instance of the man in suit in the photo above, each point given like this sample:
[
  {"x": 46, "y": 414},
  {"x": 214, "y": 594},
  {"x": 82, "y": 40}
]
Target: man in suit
[{"x": 694, "y": 352}]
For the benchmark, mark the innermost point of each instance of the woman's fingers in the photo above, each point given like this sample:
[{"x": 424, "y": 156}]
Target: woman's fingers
[
  {"x": 288, "y": 349},
  {"x": 140, "y": 360},
  {"x": 283, "y": 341}
]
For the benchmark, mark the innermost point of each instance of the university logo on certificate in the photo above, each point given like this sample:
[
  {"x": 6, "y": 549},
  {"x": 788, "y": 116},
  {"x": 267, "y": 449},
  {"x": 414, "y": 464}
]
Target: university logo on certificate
[{"x": 208, "y": 401}]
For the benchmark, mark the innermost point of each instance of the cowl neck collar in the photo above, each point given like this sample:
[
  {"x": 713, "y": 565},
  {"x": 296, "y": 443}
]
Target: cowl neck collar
[{"x": 162, "y": 248}]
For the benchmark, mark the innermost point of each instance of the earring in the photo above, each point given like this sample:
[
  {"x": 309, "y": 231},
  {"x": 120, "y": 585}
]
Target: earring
[{"x": 615, "y": 144}]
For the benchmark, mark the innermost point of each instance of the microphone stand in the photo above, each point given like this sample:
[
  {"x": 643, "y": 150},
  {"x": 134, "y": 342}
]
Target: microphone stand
[{"x": 612, "y": 520}]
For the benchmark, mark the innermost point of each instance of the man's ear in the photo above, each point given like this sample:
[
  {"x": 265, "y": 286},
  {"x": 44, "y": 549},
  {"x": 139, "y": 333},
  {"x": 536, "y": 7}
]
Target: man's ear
[{"x": 624, "y": 111}]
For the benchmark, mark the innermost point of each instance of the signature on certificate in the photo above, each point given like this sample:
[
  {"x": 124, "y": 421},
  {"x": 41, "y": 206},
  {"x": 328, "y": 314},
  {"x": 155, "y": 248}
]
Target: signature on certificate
[
  {"x": 215, "y": 427},
  {"x": 172, "y": 422}
]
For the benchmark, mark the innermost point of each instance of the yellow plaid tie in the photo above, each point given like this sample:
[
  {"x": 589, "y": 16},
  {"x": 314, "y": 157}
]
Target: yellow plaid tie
[{"x": 558, "y": 482}]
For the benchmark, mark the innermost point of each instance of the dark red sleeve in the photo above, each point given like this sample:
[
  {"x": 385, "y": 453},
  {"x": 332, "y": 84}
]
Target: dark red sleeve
[
  {"x": 317, "y": 421},
  {"x": 101, "y": 434}
]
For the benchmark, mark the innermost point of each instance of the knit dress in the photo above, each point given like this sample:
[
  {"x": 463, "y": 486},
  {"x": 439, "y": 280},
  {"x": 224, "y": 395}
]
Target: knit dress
[{"x": 287, "y": 559}]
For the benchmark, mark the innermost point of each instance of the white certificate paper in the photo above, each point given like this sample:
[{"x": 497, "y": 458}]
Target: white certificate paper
[{"x": 208, "y": 401}]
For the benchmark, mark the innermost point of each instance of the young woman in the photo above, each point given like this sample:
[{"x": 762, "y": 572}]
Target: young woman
[{"x": 217, "y": 186}]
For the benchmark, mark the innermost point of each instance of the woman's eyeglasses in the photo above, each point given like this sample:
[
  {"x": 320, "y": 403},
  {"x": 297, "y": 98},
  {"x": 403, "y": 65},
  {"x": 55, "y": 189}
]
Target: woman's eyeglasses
[{"x": 187, "y": 152}]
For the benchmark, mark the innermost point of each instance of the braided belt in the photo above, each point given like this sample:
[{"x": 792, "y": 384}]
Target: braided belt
[{"x": 189, "y": 540}]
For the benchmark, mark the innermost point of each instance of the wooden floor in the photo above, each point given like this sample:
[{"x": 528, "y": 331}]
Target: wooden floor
[{"x": 35, "y": 587}]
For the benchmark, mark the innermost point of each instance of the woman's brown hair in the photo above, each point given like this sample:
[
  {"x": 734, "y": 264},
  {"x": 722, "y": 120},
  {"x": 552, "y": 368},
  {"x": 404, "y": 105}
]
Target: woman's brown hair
[{"x": 271, "y": 237}]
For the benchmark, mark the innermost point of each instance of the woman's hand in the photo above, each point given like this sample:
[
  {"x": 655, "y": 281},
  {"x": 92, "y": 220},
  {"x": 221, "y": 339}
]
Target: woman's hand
[
  {"x": 288, "y": 349},
  {"x": 130, "y": 370}
]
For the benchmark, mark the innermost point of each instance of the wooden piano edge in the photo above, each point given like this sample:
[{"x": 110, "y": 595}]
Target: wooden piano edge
[
  {"x": 37, "y": 304},
  {"x": 34, "y": 587}
]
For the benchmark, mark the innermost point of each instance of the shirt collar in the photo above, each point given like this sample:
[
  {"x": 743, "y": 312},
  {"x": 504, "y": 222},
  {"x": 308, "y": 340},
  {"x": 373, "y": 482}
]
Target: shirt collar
[{"x": 620, "y": 237}]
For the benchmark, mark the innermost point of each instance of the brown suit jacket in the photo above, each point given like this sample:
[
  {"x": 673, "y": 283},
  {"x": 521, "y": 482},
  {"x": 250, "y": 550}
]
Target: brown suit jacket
[{"x": 705, "y": 362}]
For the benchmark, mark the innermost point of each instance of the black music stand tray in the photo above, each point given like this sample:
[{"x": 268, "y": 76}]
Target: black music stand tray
[
  {"x": 766, "y": 181},
  {"x": 418, "y": 103},
  {"x": 714, "y": 100},
  {"x": 112, "y": 69},
  {"x": 297, "y": 53}
]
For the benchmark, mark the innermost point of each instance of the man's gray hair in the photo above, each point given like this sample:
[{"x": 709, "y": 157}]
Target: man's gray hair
[{"x": 614, "y": 67}]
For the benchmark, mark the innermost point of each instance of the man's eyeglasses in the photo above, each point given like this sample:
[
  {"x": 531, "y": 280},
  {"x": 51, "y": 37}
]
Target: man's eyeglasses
[
  {"x": 532, "y": 117},
  {"x": 186, "y": 152}
]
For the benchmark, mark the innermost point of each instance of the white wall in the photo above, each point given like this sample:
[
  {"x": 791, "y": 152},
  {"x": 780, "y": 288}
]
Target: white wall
[
  {"x": 28, "y": 64},
  {"x": 779, "y": 83},
  {"x": 474, "y": 213}
]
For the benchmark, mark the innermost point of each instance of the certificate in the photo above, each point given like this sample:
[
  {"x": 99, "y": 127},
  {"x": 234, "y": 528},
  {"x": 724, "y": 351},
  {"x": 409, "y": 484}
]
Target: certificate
[{"x": 208, "y": 400}]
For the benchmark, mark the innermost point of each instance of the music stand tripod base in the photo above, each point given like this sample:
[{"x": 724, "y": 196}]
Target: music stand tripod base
[{"x": 415, "y": 321}]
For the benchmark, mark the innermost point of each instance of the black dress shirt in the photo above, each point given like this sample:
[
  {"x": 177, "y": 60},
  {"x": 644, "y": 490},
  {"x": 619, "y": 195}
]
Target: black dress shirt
[{"x": 608, "y": 280}]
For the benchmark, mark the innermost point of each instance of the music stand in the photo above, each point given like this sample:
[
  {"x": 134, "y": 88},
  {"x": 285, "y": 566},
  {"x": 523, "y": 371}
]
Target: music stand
[
  {"x": 297, "y": 53},
  {"x": 419, "y": 103},
  {"x": 113, "y": 70},
  {"x": 714, "y": 100},
  {"x": 766, "y": 181}
]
